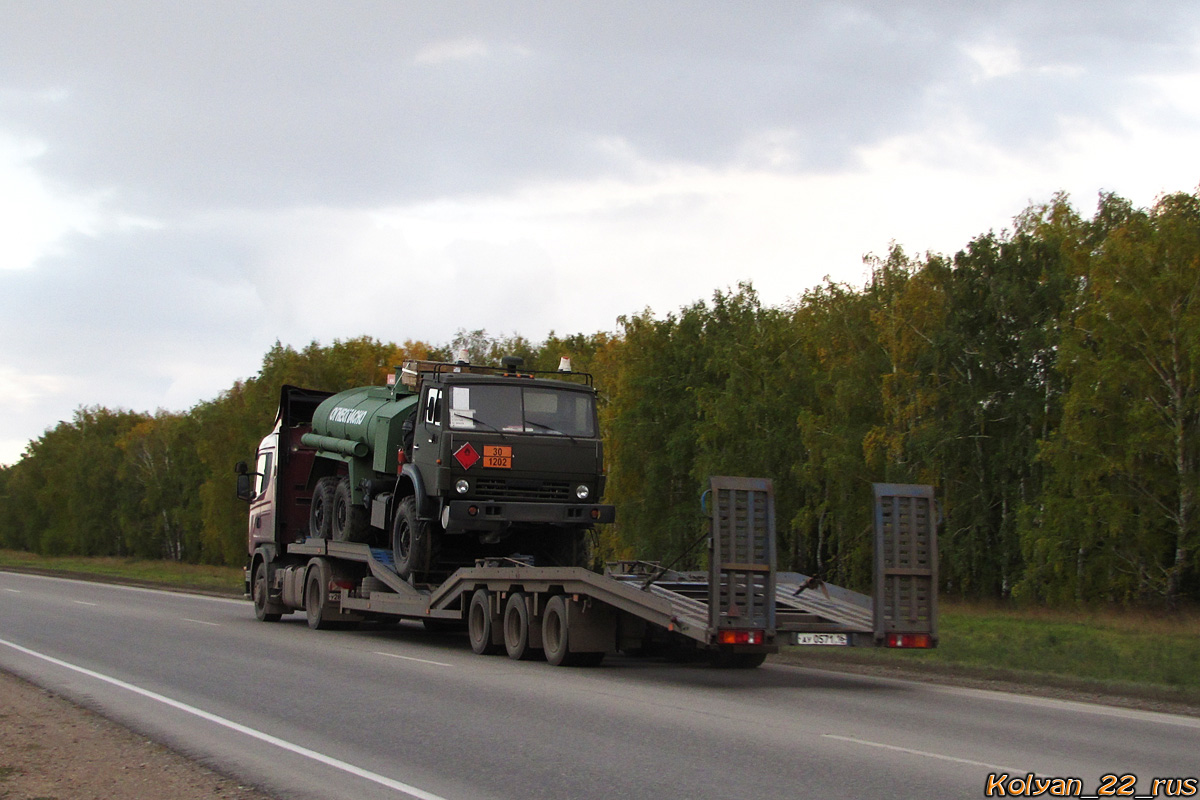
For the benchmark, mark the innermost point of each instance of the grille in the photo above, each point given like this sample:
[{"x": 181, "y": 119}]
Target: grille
[{"x": 508, "y": 488}]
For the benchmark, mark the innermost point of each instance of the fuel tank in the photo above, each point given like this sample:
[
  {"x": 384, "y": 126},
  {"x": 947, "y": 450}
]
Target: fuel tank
[{"x": 363, "y": 423}]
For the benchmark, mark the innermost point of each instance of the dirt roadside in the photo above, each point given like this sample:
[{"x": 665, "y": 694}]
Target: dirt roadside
[{"x": 52, "y": 749}]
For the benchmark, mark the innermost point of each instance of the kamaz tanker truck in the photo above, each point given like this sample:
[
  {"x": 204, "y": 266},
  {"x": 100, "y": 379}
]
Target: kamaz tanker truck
[{"x": 451, "y": 463}]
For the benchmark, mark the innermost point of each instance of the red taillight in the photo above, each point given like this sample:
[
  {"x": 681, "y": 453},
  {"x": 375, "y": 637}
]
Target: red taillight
[
  {"x": 740, "y": 637},
  {"x": 472, "y": 510},
  {"x": 909, "y": 640}
]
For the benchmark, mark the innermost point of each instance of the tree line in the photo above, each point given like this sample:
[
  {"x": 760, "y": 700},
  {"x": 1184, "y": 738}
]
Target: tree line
[{"x": 1044, "y": 379}]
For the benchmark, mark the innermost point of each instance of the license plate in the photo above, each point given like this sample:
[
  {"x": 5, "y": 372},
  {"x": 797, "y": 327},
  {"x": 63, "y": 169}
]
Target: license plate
[
  {"x": 497, "y": 457},
  {"x": 821, "y": 638}
]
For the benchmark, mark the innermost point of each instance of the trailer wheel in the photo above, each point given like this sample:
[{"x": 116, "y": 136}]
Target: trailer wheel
[
  {"x": 412, "y": 540},
  {"x": 320, "y": 512},
  {"x": 517, "y": 639},
  {"x": 349, "y": 521},
  {"x": 479, "y": 624},
  {"x": 555, "y": 634},
  {"x": 262, "y": 599}
]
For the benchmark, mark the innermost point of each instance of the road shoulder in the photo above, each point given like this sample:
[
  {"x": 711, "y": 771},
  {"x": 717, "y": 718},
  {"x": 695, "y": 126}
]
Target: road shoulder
[{"x": 52, "y": 749}]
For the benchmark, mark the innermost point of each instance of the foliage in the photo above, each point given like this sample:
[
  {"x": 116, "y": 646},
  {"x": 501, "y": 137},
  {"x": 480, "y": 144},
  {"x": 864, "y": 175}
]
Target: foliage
[{"x": 1044, "y": 379}]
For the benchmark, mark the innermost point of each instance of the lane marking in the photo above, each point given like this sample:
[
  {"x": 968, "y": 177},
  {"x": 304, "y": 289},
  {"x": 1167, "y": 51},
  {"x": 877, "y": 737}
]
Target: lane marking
[
  {"x": 200, "y": 622},
  {"x": 410, "y": 658},
  {"x": 923, "y": 753},
  {"x": 14, "y": 591},
  {"x": 84, "y": 603},
  {"x": 321, "y": 758}
]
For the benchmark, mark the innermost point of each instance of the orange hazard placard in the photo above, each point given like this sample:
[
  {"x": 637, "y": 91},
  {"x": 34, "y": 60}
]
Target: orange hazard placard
[{"x": 497, "y": 457}]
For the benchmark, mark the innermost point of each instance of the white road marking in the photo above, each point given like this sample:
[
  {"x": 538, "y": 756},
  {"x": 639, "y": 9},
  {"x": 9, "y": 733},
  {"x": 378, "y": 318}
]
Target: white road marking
[
  {"x": 14, "y": 591},
  {"x": 382, "y": 780},
  {"x": 410, "y": 658},
  {"x": 84, "y": 603},
  {"x": 200, "y": 622},
  {"x": 924, "y": 753}
]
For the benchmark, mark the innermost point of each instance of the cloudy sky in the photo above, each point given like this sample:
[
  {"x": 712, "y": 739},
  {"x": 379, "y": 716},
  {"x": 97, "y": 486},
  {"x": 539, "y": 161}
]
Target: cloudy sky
[{"x": 181, "y": 184}]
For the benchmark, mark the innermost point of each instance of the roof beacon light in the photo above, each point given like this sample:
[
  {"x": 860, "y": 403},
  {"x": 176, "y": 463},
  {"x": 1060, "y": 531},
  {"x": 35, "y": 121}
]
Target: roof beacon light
[
  {"x": 461, "y": 356},
  {"x": 564, "y": 364}
]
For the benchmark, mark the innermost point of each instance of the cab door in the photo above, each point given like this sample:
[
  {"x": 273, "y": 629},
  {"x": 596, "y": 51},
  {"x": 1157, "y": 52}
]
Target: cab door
[{"x": 262, "y": 498}]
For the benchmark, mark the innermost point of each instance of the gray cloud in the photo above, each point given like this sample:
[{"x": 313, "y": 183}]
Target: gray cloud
[{"x": 277, "y": 104}]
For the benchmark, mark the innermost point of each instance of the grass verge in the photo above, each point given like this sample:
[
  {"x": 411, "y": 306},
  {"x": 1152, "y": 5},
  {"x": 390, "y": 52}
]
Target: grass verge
[
  {"x": 171, "y": 574},
  {"x": 1131, "y": 653}
]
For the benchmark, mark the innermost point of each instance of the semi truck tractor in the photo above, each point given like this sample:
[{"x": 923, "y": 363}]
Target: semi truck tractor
[
  {"x": 450, "y": 463},
  {"x": 485, "y": 495}
]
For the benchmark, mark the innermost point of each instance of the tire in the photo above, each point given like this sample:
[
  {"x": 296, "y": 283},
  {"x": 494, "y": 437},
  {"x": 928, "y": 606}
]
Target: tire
[
  {"x": 412, "y": 541},
  {"x": 349, "y": 522},
  {"x": 263, "y": 607},
  {"x": 517, "y": 639},
  {"x": 316, "y": 604},
  {"x": 554, "y": 632},
  {"x": 320, "y": 511},
  {"x": 479, "y": 624},
  {"x": 556, "y": 637}
]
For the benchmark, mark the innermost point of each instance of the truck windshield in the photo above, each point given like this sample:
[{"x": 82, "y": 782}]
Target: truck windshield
[{"x": 522, "y": 409}]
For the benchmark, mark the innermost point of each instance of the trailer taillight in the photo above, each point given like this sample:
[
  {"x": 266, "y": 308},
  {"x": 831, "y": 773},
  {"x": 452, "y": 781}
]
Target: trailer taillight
[
  {"x": 909, "y": 640},
  {"x": 740, "y": 637}
]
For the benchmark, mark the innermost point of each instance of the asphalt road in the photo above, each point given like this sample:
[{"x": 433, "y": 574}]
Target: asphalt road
[{"x": 393, "y": 713}]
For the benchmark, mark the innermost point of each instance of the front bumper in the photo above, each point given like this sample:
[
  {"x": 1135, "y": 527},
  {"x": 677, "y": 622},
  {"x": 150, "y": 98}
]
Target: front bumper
[{"x": 486, "y": 515}]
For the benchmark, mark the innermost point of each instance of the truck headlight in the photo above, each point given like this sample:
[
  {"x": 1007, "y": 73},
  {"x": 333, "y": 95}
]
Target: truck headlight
[
  {"x": 582, "y": 491},
  {"x": 462, "y": 486}
]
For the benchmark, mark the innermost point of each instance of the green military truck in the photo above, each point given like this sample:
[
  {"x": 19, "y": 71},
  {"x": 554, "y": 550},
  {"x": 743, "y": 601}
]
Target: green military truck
[{"x": 451, "y": 463}]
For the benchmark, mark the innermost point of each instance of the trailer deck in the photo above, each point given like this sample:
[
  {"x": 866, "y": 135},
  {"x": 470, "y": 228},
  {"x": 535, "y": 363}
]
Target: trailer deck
[{"x": 741, "y": 607}]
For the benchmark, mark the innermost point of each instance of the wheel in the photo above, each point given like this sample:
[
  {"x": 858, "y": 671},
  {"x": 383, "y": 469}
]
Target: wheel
[
  {"x": 262, "y": 599},
  {"x": 349, "y": 521},
  {"x": 316, "y": 605},
  {"x": 556, "y": 635},
  {"x": 479, "y": 624},
  {"x": 517, "y": 633},
  {"x": 722, "y": 660},
  {"x": 412, "y": 541},
  {"x": 320, "y": 511}
]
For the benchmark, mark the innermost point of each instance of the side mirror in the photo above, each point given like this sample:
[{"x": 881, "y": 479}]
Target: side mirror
[
  {"x": 240, "y": 468},
  {"x": 244, "y": 491}
]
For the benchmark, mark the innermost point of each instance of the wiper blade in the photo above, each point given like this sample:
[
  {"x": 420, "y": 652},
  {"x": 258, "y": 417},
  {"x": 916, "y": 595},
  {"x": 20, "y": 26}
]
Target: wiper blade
[
  {"x": 477, "y": 421},
  {"x": 548, "y": 428}
]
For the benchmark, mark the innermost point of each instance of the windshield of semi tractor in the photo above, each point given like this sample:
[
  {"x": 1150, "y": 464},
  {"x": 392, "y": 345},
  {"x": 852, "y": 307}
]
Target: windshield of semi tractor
[{"x": 522, "y": 409}]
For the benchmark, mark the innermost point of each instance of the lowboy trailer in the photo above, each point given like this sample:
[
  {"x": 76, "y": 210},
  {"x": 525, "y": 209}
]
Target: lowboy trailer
[{"x": 735, "y": 614}]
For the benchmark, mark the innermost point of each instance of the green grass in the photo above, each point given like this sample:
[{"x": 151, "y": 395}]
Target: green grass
[
  {"x": 225, "y": 580},
  {"x": 1103, "y": 650}
]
